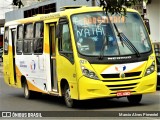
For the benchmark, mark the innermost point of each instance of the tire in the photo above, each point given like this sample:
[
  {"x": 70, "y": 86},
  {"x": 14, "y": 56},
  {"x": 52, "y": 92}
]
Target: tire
[
  {"x": 28, "y": 94},
  {"x": 134, "y": 99},
  {"x": 67, "y": 97}
]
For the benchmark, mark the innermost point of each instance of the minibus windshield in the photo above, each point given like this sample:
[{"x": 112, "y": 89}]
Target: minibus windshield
[{"x": 93, "y": 28}]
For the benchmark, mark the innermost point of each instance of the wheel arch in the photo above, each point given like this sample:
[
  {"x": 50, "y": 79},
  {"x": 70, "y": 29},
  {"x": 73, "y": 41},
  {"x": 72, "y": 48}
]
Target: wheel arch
[
  {"x": 23, "y": 80},
  {"x": 62, "y": 85}
]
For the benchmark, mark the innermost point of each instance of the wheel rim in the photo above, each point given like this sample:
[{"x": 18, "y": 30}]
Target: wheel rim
[
  {"x": 26, "y": 91},
  {"x": 68, "y": 99}
]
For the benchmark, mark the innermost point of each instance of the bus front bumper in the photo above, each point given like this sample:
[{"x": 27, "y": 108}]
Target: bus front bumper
[{"x": 90, "y": 88}]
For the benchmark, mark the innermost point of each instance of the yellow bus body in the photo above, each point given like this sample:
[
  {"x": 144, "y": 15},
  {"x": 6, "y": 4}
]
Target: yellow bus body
[{"x": 81, "y": 87}]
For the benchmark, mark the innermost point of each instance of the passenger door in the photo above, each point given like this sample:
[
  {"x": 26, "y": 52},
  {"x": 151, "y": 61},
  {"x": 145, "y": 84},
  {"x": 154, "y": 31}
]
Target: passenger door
[
  {"x": 50, "y": 57},
  {"x": 13, "y": 36},
  {"x": 65, "y": 56},
  {"x": 9, "y": 56},
  {"x": 52, "y": 40}
]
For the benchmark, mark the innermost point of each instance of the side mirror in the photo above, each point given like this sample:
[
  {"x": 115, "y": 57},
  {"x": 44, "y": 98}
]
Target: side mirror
[{"x": 146, "y": 21}]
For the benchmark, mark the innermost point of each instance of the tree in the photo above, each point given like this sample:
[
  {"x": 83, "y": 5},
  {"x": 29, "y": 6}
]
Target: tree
[
  {"x": 17, "y": 3},
  {"x": 116, "y": 6}
]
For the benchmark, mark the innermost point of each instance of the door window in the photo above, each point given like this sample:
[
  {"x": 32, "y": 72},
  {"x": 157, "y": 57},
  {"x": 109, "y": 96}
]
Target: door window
[
  {"x": 66, "y": 40},
  {"x": 19, "y": 42},
  {"x": 6, "y": 41},
  {"x": 65, "y": 44}
]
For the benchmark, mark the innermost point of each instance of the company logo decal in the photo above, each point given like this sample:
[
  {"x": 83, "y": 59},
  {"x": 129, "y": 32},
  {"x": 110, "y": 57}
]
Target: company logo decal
[
  {"x": 119, "y": 58},
  {"x": 23, "y": 64},
  {"x": 33, "y": 65},
  {"x": 120, "y": 68},
  {"x": 123, "y": 68}
]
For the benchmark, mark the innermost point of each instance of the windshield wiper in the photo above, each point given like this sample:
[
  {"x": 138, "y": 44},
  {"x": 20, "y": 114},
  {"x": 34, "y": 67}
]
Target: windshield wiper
[
  {"x": 106, "y": 39},
  {"x": 105, "y": 42},
  {"x": 126, "y": 41}
]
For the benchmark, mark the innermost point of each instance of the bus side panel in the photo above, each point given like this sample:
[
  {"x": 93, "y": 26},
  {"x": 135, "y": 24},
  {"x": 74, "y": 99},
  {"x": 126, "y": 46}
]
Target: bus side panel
[
  {"x": 66, "y": 71},
  {"x": 32, "y": 68}
]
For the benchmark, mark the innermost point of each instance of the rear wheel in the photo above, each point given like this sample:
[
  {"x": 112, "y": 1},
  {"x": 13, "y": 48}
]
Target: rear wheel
[
  {"x": 28, "y": 94},
  {"x": 67, "y": 97},
  {"x": 134, "y": 99}
]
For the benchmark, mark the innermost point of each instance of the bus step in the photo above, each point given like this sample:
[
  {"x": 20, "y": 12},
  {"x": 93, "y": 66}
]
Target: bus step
[
  {"x": 54, "y": 93},
  {"x": 55, "y": 90}
]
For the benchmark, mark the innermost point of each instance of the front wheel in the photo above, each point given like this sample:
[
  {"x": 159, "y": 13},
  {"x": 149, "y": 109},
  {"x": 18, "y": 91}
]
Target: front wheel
[
  {"x": 134, "y": 99},
  {"x": 67, "y": 97}
]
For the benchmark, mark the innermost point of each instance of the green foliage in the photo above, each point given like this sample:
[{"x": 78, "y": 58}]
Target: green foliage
[
  {"x": 116, "y": 6},
  {"x": 17, "y": 3}
]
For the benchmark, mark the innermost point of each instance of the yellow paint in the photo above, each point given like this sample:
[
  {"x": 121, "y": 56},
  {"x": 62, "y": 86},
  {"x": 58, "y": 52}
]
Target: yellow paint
[
  {"x": 34, "y": 88},
  {"x": 81, "y": 87},
  {"x": 46, "y": 50},
  {"x": 108, "y": 66},
  {"x": 139, "y": 68}
]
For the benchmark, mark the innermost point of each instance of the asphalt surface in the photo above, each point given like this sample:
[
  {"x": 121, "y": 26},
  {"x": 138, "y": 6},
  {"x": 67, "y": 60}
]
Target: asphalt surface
[{"x": 12, "y": 99}]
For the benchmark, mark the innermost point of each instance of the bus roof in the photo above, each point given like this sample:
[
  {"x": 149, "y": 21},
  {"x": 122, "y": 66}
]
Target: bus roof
[{"x": 67, "y": 11}]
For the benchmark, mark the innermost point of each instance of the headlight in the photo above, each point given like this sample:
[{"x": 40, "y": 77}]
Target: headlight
[
  {"x": 150, "y": 69},
  {"x": 89, "y": 73}
]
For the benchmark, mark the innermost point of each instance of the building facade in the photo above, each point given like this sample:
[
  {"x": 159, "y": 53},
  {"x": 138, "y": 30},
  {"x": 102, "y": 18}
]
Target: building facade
[
  {"x": 5, "y": 6},
  {"x": 153, "y": 14},
  {"x": 44, "y": 5},
  {"x": 153, "y": 11}
]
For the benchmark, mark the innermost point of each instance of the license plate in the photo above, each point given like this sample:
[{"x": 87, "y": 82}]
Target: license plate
[{"x": 123, "y": 93}]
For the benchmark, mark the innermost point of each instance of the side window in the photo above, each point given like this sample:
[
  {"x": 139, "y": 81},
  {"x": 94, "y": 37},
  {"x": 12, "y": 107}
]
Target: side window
[
  {"x": 19, "y": 42},
  {"x": 28, "y": 38},
  {"x": 66, "y": 40},
  {"x": 38, "y": 38},
  {"x": 65, "y": 44},
  {"x": 6, "y": 41}
]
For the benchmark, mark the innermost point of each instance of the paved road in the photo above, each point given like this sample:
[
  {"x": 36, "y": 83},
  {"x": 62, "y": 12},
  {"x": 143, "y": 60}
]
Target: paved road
[{"x": 11, "y": 99}]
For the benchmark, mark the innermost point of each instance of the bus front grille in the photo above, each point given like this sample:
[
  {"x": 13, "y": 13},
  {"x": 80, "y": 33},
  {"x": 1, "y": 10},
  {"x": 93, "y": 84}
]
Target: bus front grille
[
  {"x": 117, "y": 75},
  {"x": 120, "y": 80},
  {"x": 122, "y": 86}
]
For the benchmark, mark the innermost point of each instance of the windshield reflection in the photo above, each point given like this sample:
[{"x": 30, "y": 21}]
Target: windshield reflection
[{"x": 91, "y": 30}]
